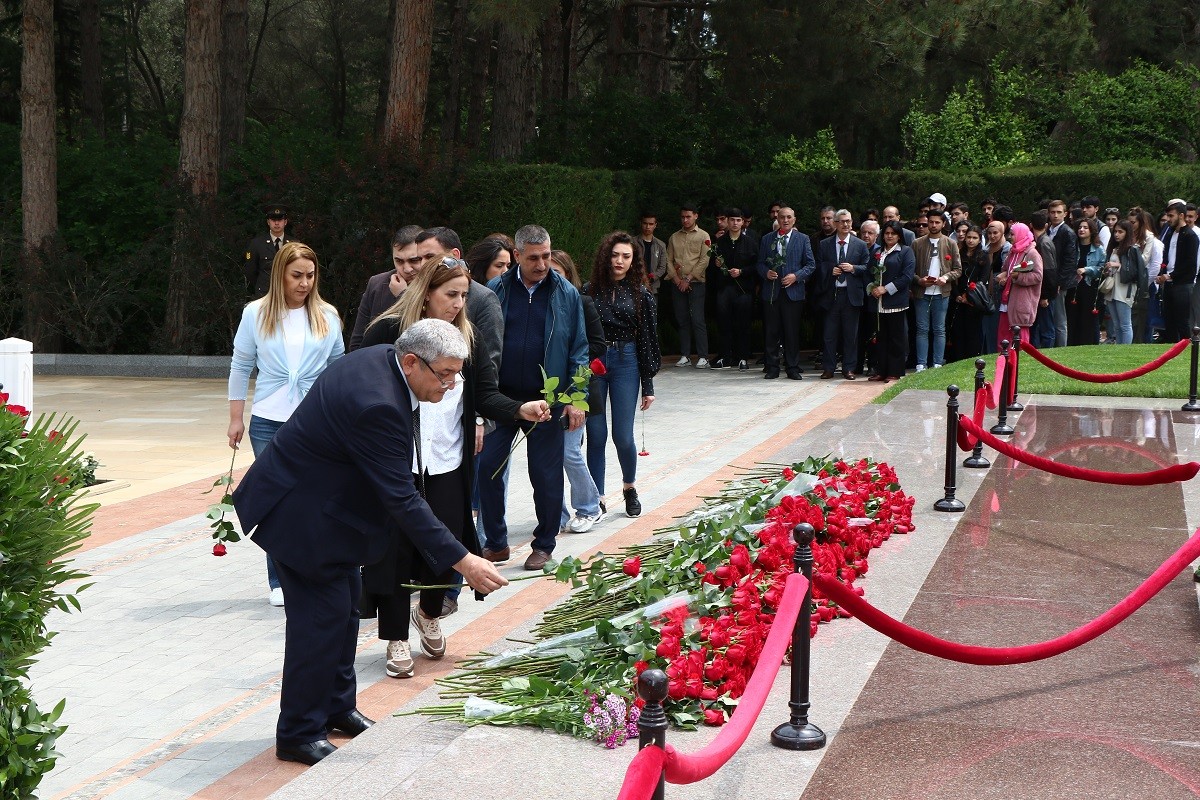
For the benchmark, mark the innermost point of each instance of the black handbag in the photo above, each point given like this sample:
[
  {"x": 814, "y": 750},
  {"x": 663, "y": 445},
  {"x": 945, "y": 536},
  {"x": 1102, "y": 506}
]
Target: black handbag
[{"x": 979, "y": 295}]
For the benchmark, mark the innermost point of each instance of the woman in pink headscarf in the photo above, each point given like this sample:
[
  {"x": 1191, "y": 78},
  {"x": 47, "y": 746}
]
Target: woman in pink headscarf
[{"x": 1021, "y": 282}]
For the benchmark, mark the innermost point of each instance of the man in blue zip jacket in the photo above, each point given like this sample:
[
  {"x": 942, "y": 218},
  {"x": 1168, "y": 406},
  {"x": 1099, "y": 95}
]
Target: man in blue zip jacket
[{"x": 543, "y": 328}]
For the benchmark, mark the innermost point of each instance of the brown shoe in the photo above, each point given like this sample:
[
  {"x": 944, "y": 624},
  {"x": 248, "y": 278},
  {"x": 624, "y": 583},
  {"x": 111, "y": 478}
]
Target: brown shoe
[
  {"x": 826, "y": 375},
  {"x": 850, "y": 376},
  {"x": 496, "y": 556},
  {"x": 537, "y": 559},
  {"x": 879, "y": 378}
]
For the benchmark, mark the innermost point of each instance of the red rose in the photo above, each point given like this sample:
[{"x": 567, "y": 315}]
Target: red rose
[
  {"x": 597, "y": 367},
  {"x": 707, "y": 243},
  {"x": 947, "y": 256},
  {"x": 632, "y": 566},
  {"x": 640, "y": 667},
  {"x": 52, "y": 435},
  {"x": 714, "y": 717},
  {"x": 20, "y": 411},
  {"x": 3, "y": 398},
  {"x": 700, "y": 568},
  {"x": 218, "y": 549},
  {"x": 789, "y": 473},
  {"x": 61, "y": 478},
  {"x": 971, "y": 286}
]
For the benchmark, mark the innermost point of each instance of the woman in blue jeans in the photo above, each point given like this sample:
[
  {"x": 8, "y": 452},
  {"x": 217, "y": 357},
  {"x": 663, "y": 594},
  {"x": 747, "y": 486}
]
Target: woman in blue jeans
[
  {"x": 291, "y": 335},
  {"x": 618, "y": 288},
  {"x": 585, "y": 497}
]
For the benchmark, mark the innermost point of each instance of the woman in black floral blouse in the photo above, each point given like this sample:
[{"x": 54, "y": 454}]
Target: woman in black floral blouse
[{"x": 618, "y": 288}]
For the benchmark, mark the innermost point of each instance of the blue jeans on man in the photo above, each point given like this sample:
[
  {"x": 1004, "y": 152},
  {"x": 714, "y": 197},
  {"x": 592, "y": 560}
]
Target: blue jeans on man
[
  {"x": 585, "y": 498},
  {"x": 544, "y": 446},
  {"x": 931, "y": 324},
  {"x": 1041, "y": 335}
]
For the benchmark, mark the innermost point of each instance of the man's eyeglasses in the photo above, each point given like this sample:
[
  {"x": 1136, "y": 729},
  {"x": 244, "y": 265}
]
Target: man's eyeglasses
[
  {"x": 922, "y": 225},
  {"x": 446, "y": 378}
]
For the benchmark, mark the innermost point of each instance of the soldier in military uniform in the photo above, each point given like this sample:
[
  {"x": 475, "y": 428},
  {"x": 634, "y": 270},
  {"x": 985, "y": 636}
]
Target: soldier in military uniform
[{"x": 260, "y": 253}]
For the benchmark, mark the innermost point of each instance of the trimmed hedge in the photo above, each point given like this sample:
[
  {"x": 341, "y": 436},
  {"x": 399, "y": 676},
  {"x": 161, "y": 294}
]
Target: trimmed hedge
[{"x": 117, "y": 200}]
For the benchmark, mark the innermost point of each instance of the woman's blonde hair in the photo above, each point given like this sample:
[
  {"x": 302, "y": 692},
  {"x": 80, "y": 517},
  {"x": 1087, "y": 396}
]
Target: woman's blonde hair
[
  {"x": 274, "y": 307},
  {"x": 438, "y": 269}
]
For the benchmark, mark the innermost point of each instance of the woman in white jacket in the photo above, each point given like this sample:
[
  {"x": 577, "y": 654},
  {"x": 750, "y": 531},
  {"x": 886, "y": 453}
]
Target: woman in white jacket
[{"x": 291, "y": 335}]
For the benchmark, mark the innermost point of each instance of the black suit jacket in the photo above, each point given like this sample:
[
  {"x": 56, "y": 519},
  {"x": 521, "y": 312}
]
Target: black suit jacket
[
  {"x": 375, "y": 300},
  {"x": 260, "y": 255},
  {"x": 856, "y": 282},
  {"x": 320, "y": 497}
]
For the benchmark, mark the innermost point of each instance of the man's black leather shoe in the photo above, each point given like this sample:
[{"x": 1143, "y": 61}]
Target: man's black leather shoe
[
  {"x": 352, "y": 723},
  {"x": 308, "y": 753}
]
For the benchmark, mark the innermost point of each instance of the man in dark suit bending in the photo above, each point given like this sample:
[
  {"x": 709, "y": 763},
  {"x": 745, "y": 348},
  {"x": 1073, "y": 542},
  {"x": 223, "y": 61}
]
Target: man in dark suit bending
[{"x": 319, "y": 500}]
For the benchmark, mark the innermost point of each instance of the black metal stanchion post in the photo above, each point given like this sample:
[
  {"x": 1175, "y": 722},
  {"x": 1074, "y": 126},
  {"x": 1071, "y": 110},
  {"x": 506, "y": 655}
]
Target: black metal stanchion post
[
  {"x": 976, "y": 459},
  {"x": 798, "y": 733},
  {"x": 1002, "y": 428},
  {"x": 652, "y": 724},
  {"x": 1016, "y": 369},
  {"x": 1191, "y": 404},
  {"x": 950, "y": 502}
]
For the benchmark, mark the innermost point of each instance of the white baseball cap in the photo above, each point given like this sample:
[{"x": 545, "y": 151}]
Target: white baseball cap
[{"x": 939, "y": 198}]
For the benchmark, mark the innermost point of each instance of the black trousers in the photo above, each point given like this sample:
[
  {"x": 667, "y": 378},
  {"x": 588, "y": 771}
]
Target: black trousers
[
  {"x": 320, "y": 639},
  {"x": 841, "y": 328},
  {"x": 444, "y": 494},
  {"x": 1177, "y": 307},
  {"x": 781, "y": 320},
  {"x": 892, "y": 347},
  {"x": 733, "y": 316},
  {"x": 966, "y": 331}
]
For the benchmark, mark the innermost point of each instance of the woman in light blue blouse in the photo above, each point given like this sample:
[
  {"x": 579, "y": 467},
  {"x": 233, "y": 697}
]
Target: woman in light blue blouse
[{"x": 291, "y": 335}]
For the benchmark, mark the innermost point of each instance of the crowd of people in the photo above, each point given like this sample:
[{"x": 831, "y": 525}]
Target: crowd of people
[{"x": 386, "y": 470}]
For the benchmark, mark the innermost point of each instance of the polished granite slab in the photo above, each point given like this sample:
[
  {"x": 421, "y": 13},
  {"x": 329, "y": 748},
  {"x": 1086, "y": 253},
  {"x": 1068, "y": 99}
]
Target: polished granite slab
[{"x": 1033, "y": 557}]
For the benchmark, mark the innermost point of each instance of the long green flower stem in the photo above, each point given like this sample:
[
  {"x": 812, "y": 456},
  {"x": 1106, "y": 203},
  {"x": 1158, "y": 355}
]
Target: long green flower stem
[{"x": 416, "y": 586}]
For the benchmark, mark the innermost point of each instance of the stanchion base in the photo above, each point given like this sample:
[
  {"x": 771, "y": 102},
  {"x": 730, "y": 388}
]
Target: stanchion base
[
  {"x": 1015, "y": 407},
  {"x": 973, "y": 462},
  {"x": 1189, "y": 406},
  {"x": 798, "y": 737},
  {"x": 1002, "y": 430},
  {"x": 951, "y": 504}
]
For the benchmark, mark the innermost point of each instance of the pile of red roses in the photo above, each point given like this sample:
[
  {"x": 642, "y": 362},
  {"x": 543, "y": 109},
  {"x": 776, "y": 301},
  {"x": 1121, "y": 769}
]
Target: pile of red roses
[{"x": 854, "y": 508}]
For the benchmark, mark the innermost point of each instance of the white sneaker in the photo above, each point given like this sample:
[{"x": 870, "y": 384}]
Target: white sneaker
[
  {"x": 702, "y": 363},
  {"x": 582, "y": 523},
  {"x": 920, "y": 367},
  {"x": 683, "y": 361},
  {"x": 399, "y": 660},
  {"x": 433, "y": 641},
  {"x": 277, "y": 597},
  {"x": 937, "y": 366}
]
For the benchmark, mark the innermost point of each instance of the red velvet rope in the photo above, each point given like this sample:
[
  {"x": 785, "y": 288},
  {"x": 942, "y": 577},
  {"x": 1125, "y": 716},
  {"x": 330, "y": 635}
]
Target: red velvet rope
[
  {"x": 1090, "y": 377},
  {"x": 997, "y": 656},
  {"x": 641, "y": 777},
  {"x": 998, "y": 381},
  {"x": 1173, "y": 473},
  {"x": 985, "y": 398},
  {"x": 1012, "y": 372}
]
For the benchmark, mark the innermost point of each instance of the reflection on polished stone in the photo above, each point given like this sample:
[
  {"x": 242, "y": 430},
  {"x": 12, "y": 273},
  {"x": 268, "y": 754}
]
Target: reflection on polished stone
[{"x": 1034, "y": 557}]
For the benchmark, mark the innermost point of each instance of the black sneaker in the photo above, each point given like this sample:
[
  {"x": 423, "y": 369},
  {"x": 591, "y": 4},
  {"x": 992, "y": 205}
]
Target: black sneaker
[
  {"x": 743, "y": 366},
  {"x": 719, "y": 364},
  {"x": 633, "y": 506}
]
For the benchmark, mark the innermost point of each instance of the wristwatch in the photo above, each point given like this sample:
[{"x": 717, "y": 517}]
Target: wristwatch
[{"x": 478, "y": 420}]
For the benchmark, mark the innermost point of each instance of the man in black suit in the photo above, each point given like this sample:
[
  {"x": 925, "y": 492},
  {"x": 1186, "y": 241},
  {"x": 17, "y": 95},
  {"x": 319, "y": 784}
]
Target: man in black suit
[
  {"x": 1066, "y": 256},
  {"x": 385, "y": 288},
  {"x": 1181, "y": 254},
  {"x": 260, "y": 253},
  {"x": 842, "y": 271},
  {"x": 319, "y": 500}
]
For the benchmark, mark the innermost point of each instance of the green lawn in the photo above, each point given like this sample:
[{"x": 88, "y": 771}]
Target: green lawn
[{"x": 1169, "y": 380}]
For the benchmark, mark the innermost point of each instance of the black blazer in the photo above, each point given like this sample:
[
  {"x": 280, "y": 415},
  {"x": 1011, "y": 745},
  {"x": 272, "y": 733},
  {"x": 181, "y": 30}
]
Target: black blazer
[
  {"x": 1066, "y": 256},
  {"x": 898, "y": 270},
  {"x": 256, "y": 266},
  {"x": 323, "y": 497},
  {"x": 375, "y": 300},
  {"x": 827, "y": 259}
]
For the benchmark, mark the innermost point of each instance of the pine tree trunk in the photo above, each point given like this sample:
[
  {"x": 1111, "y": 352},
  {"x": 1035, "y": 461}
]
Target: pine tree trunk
[
  {"x": 92, "y": 99},
  {"x": 614, "y": 44},
  {"x": 39, "y": 162},
  {"x": 481, "y": 60},
  {"x": 514, "y": 96},
  {"x": 452, "y": 107},
  {"x": 235, "y": 61},
  {"x": 553, "y": 54},
  {"x": 570, "y": 30},
  {"x": 408, "y": 81},
  {"x": 199, "y": 153}
]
